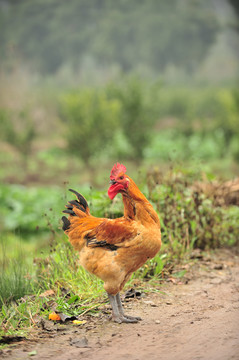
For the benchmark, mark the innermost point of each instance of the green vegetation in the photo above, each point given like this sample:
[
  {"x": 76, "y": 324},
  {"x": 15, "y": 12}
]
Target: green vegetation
[
  {"x": 152, "y": 121},
  {"x": 151, "y": 84},
  {"x": 188, "y": 135},
  {"x": 189, "y": 219},
  {"x": 137, "y": 121},
  {"x": 14, "y": 283},
  {"x": 137, "y": 115},
  {"x": 86, "y": 115},
  {"x": 84, "y": 31},
  {"x": 12, "y": 123}
]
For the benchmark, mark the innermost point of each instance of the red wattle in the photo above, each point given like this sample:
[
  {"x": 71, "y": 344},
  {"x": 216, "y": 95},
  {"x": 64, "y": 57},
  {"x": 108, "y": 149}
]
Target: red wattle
[{"x": 114, "y": 189}]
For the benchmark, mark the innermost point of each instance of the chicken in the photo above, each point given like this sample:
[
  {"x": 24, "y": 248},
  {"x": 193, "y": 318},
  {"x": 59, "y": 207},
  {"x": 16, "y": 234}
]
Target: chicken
[{"x": 113, "y": 249}]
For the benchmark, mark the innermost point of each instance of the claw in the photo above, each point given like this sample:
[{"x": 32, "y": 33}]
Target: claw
[
  {"x": 124, "y": 319},
  {"x": 129, "y": 319},
  {"x": 137, "y": 318}
]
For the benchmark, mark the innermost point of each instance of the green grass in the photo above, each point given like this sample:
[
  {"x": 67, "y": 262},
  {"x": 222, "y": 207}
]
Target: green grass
[
  {"x": 75, "y": 291},
  {"x": 15, "y": 281},
  {"x": 33, "y": 261}
]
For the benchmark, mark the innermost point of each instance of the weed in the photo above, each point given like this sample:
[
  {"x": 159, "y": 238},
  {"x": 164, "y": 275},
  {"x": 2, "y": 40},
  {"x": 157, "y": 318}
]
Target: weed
[
  {"x": 189, "y": 219},
  {"x": 16, "y": 278}
]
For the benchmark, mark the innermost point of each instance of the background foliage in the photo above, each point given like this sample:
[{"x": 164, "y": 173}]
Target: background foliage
[
  {"x": 151, "y": 84},
  {"x": 108, "y": 32}
]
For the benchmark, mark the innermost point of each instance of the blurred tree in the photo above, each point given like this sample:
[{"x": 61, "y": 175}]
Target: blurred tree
[
  {"x": 49, "y": 33},
  {"x": 235, "y": 5}
]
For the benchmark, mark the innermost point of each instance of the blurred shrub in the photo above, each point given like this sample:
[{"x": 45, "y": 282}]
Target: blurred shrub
[
  {"x": 208, "y": 118},
  {"x": 91, "y": 119},
  {"x": 117, "y": 118},
  {"x": 174, "y": 145},
  {"x": 235, "y": 141},
  {"x": 137, "y": 113},
  {"x": 217, "y": 110},
  {"x": 17, "y": 129},
  {"x": 27, "y": 209},
  {"x": 135, "y": 119},
  {"x": 190, "y": 219}
]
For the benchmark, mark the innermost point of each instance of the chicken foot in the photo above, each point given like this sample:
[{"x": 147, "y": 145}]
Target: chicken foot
[
  {"x": 121, "y": 310},
  {"x": 118, "y": 311}
]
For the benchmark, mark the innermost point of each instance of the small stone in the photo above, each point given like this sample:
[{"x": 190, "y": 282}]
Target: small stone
[
  {"x": 218, "y": 267},
  {"x": 47, "y": 325},
  {"x": 151, "y": 303},
  {"x": 79, "y": 342},
  {"x": 216, "y": 281}
]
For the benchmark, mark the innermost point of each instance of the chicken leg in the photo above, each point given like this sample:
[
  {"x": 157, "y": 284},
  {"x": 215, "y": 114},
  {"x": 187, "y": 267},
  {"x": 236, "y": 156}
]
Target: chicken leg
[{"x": 118, "y": 312}]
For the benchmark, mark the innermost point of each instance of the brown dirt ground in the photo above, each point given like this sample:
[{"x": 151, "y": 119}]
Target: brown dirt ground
[{"x": 193, "y": 318}]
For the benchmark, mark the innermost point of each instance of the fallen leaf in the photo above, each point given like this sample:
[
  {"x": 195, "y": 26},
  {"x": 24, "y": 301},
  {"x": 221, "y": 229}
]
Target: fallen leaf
[
  {"x": 151, "y": 303},
  {"x": 218, "y": 267},
  {"x": 73, "y": 299},
  {"x": 54, "y": 316},
  {"x": 47, "y": 293},
  {"x": 65, "y": 317},
  {"x": 79, "y": 322},
  {"x": 179, "y": 274},
  {"x": 172, "y": 280},
  {"x": 32, "y": 353}
]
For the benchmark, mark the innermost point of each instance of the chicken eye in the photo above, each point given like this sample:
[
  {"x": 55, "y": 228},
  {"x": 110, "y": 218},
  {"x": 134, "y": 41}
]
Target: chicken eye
[{"x": 121, "y": 177}]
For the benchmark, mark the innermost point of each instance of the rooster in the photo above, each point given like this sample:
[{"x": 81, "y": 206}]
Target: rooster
[{"x": 113, "y": 249}]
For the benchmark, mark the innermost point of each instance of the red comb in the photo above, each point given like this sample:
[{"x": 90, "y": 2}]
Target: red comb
[{"x": 117, "y": 168}]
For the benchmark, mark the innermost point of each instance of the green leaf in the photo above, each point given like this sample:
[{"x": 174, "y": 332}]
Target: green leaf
[
  {"x": 32, "y": 353},
  {"x": 180, "y": 274},
  {"x": 73, "y": 299}
]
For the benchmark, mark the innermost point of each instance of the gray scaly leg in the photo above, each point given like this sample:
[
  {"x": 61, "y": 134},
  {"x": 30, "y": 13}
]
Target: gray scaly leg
[
  {"x": 121, "y": 310},
  {"x": 117, "y": 311}
]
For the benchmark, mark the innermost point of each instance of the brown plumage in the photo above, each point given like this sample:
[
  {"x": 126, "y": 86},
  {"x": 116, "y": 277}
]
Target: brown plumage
[{"x": 113, "y": 249}]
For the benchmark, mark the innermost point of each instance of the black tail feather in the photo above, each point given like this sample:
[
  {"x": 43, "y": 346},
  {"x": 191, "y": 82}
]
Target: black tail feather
[
  {"x": 77, "y": 204},
  {"x": 81, "y": 199},
  {"x": 80, "y": 204},
  {"x": 66, "y": 223},
  {"x": 69, "y": 207},
  {"x": 68, "y": 211}
]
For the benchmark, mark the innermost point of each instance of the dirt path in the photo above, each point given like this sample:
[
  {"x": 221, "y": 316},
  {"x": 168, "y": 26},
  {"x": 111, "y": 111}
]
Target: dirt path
[{"x": 197, "y": 318}]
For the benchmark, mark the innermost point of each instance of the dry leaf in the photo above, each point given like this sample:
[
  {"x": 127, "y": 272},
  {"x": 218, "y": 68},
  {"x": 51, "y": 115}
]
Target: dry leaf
[
  {"x": 173, "y": 280},
  {"x": 54, "y": 316},
  {"x": 47, "y": 293},
  {"x": 79, "y": 322}
]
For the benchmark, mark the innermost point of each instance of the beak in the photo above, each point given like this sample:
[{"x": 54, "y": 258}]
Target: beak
[{"x": 112, "y": 182}]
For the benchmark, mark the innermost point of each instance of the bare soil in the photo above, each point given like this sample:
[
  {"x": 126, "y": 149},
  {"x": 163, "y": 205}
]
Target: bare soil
[{"x": 191, "y": 318}]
